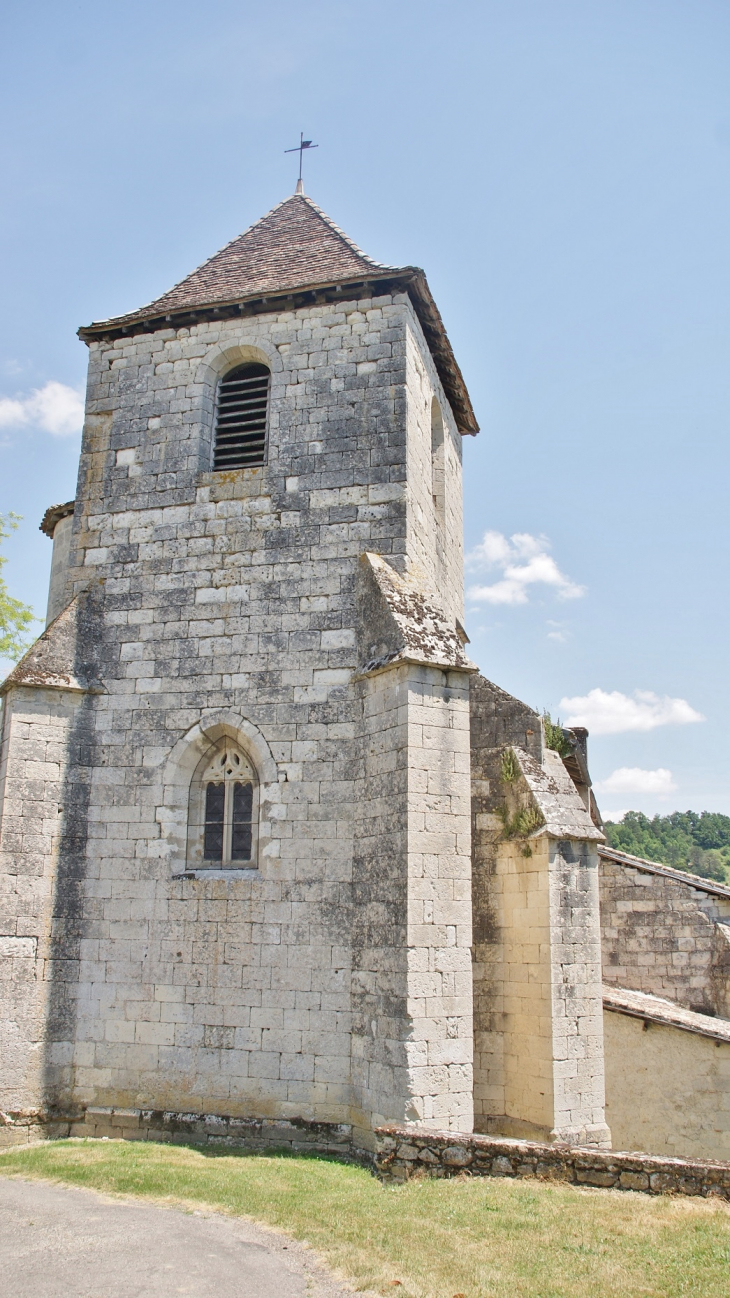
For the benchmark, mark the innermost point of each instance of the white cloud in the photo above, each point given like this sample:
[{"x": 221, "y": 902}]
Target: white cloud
[
  {"x": 524, "y": 561},
  {"x": 558, "y": 632},
  {"x": 55, "y": 408},
  {"x": 632, "y": 779},
  {"x": 614, "y": 713}
]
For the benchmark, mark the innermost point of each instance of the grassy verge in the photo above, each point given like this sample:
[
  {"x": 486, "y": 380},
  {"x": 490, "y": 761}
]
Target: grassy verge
[{"x": 428, "y": 1239}]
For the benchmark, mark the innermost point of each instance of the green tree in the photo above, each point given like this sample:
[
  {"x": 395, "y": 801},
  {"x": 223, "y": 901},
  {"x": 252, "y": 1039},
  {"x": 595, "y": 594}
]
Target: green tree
[
  {"x": 15, "y": 617},
  {"x": 688, "y": 840}
]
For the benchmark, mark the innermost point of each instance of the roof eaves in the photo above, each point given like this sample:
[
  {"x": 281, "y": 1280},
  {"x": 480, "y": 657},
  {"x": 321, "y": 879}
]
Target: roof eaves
[
  {"x": 442, "y": 352},
  {"x": 410, "y": 278},
  {"x": 668, "y": 871},
  {"x": 148, "y": 316},
  {"x": 655, "y": 1009},
  {"x": 53, "y": 516}
]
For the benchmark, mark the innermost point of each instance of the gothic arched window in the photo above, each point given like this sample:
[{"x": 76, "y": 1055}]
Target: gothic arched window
[
  {"x": 223, "y": 816},
  {"x": 242, "y": 413}
]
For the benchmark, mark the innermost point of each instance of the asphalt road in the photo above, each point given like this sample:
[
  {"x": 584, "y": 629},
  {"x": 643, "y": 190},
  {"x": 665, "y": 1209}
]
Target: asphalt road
[{"x": 58, "y": 1242}]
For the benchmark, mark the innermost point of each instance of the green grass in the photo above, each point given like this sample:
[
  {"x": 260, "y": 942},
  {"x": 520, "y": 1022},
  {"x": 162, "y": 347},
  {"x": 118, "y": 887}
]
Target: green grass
[{"x": 477, "y": 1238}]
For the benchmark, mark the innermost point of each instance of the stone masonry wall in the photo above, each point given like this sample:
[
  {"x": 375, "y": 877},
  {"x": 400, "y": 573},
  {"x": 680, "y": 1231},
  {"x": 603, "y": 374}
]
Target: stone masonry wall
[
  {"x": 537, "y": 983},
  {"x": 667, "y": 1090},
  {"x": 404, "y": 1152},
  {"x": 435, "y": 535},
  {"x": 38, "y": 727},
  {"x": 233, "y": 595},
  {"x": 412, "y": 1005},
  {"x": 659, "y": 935}
]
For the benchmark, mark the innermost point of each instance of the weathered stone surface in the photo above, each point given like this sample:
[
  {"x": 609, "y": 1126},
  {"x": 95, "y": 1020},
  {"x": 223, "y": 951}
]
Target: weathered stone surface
[
  {"x": 423, "y": 882},
  {"x": 331, "y": 980},
  {"x": 664, "y": 932},
  {"x": 493, "y": 1156}
]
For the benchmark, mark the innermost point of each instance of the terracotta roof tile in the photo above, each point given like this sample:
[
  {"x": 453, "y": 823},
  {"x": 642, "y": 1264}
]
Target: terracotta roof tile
[
  {"x": 54, "y": 514},
  {"x": 294, "y": 246}
]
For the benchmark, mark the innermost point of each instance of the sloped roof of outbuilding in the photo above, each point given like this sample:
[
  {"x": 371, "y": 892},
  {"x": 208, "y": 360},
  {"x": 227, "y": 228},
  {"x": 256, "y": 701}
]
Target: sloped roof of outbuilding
[
  {"x": 656, "y": 1009},
  {"x": 294, "y": 250},
  {"x": 709, "y": 886}
]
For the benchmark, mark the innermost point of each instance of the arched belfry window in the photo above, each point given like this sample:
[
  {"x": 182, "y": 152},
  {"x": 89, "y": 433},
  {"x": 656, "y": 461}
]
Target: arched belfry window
[
  {"x": 223, "y": 819},
  {"x": 242, "y": 417}
]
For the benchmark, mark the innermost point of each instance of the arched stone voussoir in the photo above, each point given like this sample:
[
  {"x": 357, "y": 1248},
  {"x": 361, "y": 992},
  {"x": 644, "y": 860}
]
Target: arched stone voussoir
[
  {"x": 180, "y": 767},
  {"x": 225, "y": 721},
  {"x": 225, "y": 356}
]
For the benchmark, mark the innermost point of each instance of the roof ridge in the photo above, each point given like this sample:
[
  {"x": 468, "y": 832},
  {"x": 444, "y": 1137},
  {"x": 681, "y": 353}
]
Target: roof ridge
[
  {"x": 140, "y": 310},
  {"x": 336, "y": 229},
  {"x": 327, "y": 220},
  {"x": 671, "y": 871}
]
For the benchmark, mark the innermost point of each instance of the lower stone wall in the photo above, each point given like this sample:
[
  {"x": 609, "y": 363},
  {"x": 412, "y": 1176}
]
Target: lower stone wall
[
  {"x": 404, "y": 1152},
  {"x": 667, "y": 1088},
  {"x": 29, "y": 1126},
  {"x": 401, "y": 1152},
  {"x": 256, "y": 1134}
]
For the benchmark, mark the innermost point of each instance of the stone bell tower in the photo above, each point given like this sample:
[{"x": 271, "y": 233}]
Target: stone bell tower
[{"x": 236, "y": 837}]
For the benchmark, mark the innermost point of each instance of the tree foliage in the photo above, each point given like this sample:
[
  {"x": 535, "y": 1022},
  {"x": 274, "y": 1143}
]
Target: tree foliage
[
  {"x": 15, "y": 617},
  {"x": 689, "y": 840}
]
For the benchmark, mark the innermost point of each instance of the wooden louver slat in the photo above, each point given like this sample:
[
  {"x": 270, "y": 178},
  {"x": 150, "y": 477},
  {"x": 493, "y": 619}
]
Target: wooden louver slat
[{"x": 240, "y": 431}]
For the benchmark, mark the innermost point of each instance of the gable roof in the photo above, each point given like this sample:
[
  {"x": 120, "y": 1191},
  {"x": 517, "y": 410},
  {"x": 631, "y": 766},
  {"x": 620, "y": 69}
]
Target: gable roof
[
  {"x": 293, "y": 251},
  {"x": 709, "y": 886},
  {"x": 656, "y": 1009}
]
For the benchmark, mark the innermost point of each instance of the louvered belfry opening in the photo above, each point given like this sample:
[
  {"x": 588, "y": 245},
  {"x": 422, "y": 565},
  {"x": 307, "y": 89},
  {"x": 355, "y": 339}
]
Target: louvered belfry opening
[{"x": 240, "y": 430}]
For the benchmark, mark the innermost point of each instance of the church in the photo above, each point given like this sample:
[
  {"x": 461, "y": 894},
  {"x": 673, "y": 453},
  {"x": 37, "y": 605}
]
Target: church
[{"x": 276, "y": 860}]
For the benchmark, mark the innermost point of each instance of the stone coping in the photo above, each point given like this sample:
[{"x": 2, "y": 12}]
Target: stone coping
[
  {"x": 404, "y": 1152},
  {"x": 655, "y": 1009},
  {"x": 53, "y": 515},
  {"x": 678, "y": 876}
]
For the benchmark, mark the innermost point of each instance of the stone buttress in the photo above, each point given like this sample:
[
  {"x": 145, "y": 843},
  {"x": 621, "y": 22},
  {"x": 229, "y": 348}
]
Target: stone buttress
[{"x": 539, "y": 1063}]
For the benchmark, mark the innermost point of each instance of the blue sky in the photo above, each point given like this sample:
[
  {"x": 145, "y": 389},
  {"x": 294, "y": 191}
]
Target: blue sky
[{"x": 562, "y": 172}]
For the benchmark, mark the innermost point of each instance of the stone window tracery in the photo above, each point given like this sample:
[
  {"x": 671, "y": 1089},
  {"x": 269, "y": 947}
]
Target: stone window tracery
[{"x": 222, "y": 826}]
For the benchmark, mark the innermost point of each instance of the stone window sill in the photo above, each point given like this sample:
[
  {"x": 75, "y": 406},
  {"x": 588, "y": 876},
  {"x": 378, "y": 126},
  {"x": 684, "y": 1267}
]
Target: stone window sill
[{"x": 245, "y": 871}]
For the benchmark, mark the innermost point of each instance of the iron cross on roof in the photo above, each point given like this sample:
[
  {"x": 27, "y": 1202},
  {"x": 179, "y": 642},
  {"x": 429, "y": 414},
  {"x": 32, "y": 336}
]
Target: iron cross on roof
[{"x": 302, "y": 145}]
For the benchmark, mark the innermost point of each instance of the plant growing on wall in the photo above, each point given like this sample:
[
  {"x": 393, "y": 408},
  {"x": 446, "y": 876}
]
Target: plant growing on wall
[
  {"x": 525, "y": 820},
  {"x": 509, "y": 769},
  {"x": 15, "y": 617},
  {"x": 555, "y": 736},
  {"x": 523, "y": 823}
]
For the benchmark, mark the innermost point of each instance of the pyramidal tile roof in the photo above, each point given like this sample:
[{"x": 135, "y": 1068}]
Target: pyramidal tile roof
[{"x": 295, "y": 248}]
